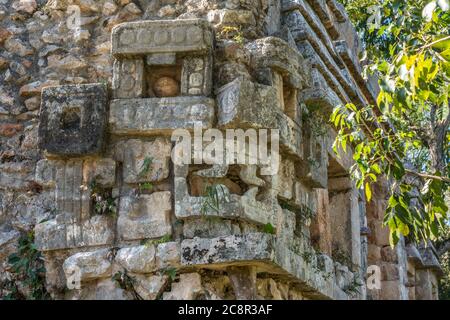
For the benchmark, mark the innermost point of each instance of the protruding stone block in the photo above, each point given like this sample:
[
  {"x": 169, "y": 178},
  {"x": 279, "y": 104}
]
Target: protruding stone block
[
  {"x": 139, "y": 259},
  {"x": 243, "y": 104},
  {"x": 225, "y": 250},
  {"x": 153, "y": 116},
  {"x": 88, "y": 265},
  {"x": 73, "y": 119},
  {"x": 146, "y": 37}
]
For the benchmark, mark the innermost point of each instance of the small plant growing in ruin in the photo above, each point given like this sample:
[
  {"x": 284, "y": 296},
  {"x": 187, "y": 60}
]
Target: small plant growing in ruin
[
  {"x": 269, "y": 228},
  {"x": 353, "y": 288},
  {"x": 232, "y": 33},
  {"x": 164, "y": 239},
  {"x": 126, "y": 282},
  {"x": 146, "y": 166},
  {"x": 27, "y": 266},
  {"x": 104, "y": 202},
  {"x": 213, "y": 196},
  {"x": 172, "y": 273}
]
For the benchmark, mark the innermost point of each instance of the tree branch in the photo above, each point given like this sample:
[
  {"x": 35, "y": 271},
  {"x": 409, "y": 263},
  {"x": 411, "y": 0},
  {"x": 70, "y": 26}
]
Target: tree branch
[{"x": 428, "y": 176}]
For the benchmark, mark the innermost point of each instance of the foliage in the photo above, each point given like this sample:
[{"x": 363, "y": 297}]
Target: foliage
[
  {"x": 172, "y": 273},
  {"x": 269, "y": 228},
  {"x": 405, "y": 137},
  {"x": 126, "y": 282},
  {"x": 146, "y": 166},
  {"x": 104, "y": 202},
  {"x": 155, "y": 242},
  {"x": 213, "y": 196},
  {"x": 28, "y": 269},
  {"x": 232, "y": 33}
]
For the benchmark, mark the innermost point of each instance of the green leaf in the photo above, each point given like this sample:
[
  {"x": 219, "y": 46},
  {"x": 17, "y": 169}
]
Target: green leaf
[
  {"x": 269, "y": 228},
  {"x": 368, "y": 192}
]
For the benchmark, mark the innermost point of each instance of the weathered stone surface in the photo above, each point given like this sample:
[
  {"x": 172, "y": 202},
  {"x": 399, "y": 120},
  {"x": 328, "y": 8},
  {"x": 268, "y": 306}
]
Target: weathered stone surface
[
  {"x": 64, "y": 233},
  {"x": 102, "y": 172},
  {"x": 144, "y": 37},
  {"x": 128, "y": 79},
  {"x": 146, "y": 216},
  {"x": 73, "y": 119},
  {"x": 245, "y": 207},
  {"x": 196, "y": 77},
  {"x": 137, "y": 259},
  {"x": 253, "y": 246},
  {"x": 243, "y": 104},
  {"x": 150, "y": 287},
  {"x": 278, "y": 55},
  {"x": 188, "y": 288},
  {"x": 89, "y": 265},
  {"x": 168, "y": 255},
  {"x": 153, "y": 116},
  {"x": 144, "y": 161}
]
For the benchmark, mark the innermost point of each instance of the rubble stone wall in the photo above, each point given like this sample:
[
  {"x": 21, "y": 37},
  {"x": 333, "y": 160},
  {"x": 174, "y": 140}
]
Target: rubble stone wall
[{"x": 90, "y": 94}]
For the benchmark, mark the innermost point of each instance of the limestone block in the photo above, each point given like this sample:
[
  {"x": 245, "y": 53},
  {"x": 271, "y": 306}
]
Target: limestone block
[
  {"x": 89, "y": 265},
  {"x": 95, "y": 231},
  {"x": 153, "y": 116},
  {"x": 320, "y": 96},
  {"x": 326, "y": 16},
  {"x": 45, "y": 173},
  {"x": 390, "y": 272},
  {"x": 102, "y": 171},
  {"x": 276, "y": 54},
  {"x": 73, "y": 119},
  {"x": 314, "y": 170},
  {"x": 144, "y": 217},
  {"x": 343, "y": 275},
  {"x": 231, "y": 249},
  {"x": 146, "y": 37},
  {"x": 71, "y": 195},
  {"x": 168, "y": 255},
  {"x": 128, "y": 78},
  {"x": 243, "y": 104},
  {"x": 196, "y": 76},
  {"x": 107, "y": 289},
  {"x": 374, "y": 254},
  {"x": 390, "y": 290},
  {"x": 209, "y": 229},
  {"x": 321, "y": 234},
  {"x": 50, "y": 236},
  {"x": 285, "y": 179},
  {"x": 291, "y": 136},
  {"x": 389, "y": 255},
  {"x": 161, "y": 59},
  {"x": 226, "y": 17},
  {"x": 144, "y": 160},
  {"x": 139, "y": 259},
  {"x": 304, "y": 197},
  {"x": 57, "y": 235},
  {"x": 188, "y": 288},
  {"x": 150, "y": 287}
]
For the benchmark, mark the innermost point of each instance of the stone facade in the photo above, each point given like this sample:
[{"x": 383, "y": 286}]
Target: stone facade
[{"x": 86, "y": 118}]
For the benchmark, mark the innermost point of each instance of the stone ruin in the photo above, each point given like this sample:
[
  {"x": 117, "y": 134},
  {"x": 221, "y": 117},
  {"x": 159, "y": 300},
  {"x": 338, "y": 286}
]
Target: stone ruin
[{"x": 91, "y": 171}]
